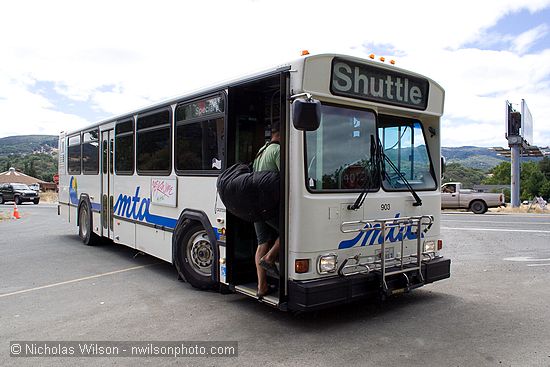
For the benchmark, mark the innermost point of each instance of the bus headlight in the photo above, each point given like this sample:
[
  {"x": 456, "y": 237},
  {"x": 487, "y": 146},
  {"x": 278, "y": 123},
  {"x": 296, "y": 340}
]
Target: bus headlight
[
  {"x": 429, "y": 246},
  {"x": 327, "y": 263}
]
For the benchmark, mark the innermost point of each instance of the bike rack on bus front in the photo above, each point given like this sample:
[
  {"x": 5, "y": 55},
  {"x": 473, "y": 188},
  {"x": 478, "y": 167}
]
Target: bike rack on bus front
[{"x": 400, "y": 264}]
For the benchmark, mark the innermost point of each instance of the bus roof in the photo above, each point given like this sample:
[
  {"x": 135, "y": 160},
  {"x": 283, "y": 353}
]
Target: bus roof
[{"x": 296, "y": 64}]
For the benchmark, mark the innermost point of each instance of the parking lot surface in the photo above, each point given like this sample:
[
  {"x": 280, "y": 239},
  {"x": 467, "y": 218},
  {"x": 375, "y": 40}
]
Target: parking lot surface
[{"x": 493, "y": 311}]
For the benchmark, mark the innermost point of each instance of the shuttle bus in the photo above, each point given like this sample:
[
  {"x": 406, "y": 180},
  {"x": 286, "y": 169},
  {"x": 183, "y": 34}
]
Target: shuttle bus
[{"x": 360, "y": 173}]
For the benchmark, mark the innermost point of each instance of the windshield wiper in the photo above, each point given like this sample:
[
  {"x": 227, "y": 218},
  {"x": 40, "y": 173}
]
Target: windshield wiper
[
  {"x": 386, "y": 159},
  {"x": 371, "y": 169}
]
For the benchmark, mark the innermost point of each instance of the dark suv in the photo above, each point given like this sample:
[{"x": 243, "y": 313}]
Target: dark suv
[{"x": 17, "y": 192}]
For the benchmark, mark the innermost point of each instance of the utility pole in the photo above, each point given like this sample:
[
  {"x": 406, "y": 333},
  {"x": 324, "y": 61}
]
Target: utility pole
[{"x": 519, "y": 133}]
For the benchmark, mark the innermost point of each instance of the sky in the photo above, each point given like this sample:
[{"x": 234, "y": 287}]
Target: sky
[{"x": 68, "y": 64}]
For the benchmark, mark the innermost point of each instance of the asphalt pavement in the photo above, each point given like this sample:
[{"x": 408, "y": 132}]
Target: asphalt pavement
[{"x": 493, "y": 311}]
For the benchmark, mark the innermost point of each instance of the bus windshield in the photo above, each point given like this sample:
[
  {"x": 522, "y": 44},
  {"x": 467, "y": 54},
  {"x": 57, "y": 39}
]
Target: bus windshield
[
  {"x": 337, "y": 153},
  {"x": 404, "y": 144}
]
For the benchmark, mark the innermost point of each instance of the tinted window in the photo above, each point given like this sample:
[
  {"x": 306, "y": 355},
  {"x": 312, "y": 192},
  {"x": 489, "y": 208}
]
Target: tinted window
[
  {"x": 90, "y": 152},
  {"x": 153, "y": 143},
  {"x": 200, "y": 135},
  {"x": 74, "y": 155},
  {"x": 124, "y": 147},
  {"x": 338, "y": 154},
  {"x": 199, "y": 145}
]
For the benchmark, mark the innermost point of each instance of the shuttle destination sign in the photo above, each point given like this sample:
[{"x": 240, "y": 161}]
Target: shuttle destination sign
[{"x": 351, "y": 79}]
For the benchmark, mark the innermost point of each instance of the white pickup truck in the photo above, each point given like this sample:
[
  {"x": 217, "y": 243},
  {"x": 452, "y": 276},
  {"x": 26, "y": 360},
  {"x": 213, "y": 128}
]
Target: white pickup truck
[{"x": 453, "y": 196}]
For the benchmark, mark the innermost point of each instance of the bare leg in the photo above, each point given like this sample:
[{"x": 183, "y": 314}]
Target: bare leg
[
  {"x": 262, "y": 279},
  {"x": 273, "y": 254}
]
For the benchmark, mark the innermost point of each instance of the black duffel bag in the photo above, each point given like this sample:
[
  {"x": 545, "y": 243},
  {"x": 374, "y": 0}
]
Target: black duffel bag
[{"x": 251, "y": 196}]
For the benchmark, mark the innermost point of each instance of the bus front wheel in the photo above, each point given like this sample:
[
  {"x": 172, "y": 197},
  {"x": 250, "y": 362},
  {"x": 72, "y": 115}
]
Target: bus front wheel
[{"x": 195, "y": 256}]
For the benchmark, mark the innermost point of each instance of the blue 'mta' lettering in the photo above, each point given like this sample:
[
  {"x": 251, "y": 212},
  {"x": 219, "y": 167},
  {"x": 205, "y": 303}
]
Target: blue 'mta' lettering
[{"x": 127, "y": 206}]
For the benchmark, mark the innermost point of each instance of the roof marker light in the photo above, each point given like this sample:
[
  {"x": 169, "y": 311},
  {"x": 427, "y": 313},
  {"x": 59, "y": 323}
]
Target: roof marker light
[
  {"x": 382, "y": 58},
  {"x": 392, "y": 62},
  {"x": 305, "y": 53},
  {"x": 371, "y": 56}
]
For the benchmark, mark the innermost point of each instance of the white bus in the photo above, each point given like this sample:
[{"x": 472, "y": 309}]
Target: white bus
[{"x": 360, "y": 175}]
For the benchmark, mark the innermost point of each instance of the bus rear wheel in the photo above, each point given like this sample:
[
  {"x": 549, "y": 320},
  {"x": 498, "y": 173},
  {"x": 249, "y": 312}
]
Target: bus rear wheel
[
  {"x": 85, "y": 231},
  {"x": 194, "y": 256}
]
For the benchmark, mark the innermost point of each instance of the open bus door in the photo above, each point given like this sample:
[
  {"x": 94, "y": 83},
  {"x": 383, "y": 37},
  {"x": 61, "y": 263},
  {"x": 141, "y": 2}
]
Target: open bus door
[{"x": 252, "y": 108}]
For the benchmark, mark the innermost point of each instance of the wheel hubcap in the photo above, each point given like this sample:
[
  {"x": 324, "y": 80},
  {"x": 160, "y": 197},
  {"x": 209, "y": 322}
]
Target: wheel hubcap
[
  {"x": 199, "y": 252},
  {"x": 83, "y": 223}
]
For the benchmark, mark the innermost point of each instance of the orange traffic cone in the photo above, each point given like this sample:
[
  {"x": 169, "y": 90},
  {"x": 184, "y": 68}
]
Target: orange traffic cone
[{"x": 16, "y": 214}]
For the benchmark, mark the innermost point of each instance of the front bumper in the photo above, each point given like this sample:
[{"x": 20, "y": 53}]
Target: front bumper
[{"x": 317, "y": 294}]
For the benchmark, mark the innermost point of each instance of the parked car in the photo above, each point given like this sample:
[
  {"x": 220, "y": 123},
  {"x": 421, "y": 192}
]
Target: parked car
[
  {"x": 19, "y": 193},
  {"x": 35, "y": 187},
  {"x": 453, "y": 196}
]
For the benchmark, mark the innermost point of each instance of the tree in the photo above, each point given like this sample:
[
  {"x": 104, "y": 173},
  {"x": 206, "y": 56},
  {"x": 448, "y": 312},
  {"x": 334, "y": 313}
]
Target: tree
[
  {"x": 455, "y": 172},
  {"x": 499, "y": 175},
  {"x": 544, "y": 166}
]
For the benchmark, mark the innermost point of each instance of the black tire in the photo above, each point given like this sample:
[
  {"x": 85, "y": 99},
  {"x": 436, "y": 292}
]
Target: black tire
[
  {"x": 85, "y": 225},
  {"x": 194, "y": 255},
  {"x": 36, "y": 201},
  {"x": 17, "y": 200},
  {"x": 478, "y": 207}
]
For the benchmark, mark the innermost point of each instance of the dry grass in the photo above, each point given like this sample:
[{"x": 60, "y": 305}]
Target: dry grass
[
  {"x": 5, "y": 215},
  {"x": 48, "y": 197},
  {"x": 522, "y": 209}
]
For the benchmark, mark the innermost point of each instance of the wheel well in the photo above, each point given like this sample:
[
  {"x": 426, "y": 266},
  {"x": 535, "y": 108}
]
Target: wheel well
[{"x": 187, "y": 218}]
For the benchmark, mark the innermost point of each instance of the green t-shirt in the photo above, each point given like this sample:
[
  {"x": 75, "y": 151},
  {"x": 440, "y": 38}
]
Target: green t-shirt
[{"x": 269, "y": 159}]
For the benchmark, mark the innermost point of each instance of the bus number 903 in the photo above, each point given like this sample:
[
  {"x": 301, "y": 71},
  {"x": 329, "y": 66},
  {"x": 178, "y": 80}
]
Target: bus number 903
[{"x": 385, "y": 207}]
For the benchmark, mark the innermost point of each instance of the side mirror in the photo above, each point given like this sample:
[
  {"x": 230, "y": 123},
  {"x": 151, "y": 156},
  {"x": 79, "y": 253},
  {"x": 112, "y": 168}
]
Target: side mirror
[
  {"x": 443, "y": 165},
  {"x": 306, "y": 114}
]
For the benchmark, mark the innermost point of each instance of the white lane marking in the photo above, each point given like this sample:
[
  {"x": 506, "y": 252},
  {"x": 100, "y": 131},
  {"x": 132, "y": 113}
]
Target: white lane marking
[
  {"x": 538, "y": 264},
  {"x": 523, "y": 259},
  {"x": 495, "y": 222},
  {"x": 497, "y": 230},
  {"x": 75, "y": 280}
]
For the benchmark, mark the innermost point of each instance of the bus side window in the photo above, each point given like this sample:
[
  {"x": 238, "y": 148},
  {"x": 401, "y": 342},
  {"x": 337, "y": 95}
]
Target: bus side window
[
  {"x": 124, "y": 148},
  {"x": 200, "y": 134},
  {"x": 154, "y": 143},
  {"x": 90, "y": 152},
  {"x": 74, "y": 155}
]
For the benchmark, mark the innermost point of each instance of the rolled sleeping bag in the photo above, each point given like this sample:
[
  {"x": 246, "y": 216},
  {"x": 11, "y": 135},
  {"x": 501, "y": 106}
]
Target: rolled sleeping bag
[{"x": 251, "y": 196}]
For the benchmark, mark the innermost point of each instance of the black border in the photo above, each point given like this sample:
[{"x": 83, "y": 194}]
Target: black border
[
  {"x": 171, "y": 138},
  {"x": 332, "y": 191},
  {"x": 96, "y": 171},
  {"x": 206, "y": 173},
  {"x": 79, "y": 134},
  {"x": 133, "y": 133}
]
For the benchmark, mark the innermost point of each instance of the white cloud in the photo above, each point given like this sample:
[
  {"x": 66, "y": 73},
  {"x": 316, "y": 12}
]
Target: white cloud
[
  {"x": 117, "y": 56},
  {"x": 525, "y": 40}
]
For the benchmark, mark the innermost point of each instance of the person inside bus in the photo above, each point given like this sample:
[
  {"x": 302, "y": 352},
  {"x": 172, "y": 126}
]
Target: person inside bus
[{"x": 267, "y": 232}]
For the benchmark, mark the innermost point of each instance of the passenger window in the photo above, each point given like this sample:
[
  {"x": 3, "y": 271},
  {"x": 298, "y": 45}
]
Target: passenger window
[
  {"x": 124, "y": 148},
  {"x": 90, "y": 152},
  {"x": 200, "y": 134},
  {"x": 154, "y": 148},
  {"x": 74, "y": 155}
]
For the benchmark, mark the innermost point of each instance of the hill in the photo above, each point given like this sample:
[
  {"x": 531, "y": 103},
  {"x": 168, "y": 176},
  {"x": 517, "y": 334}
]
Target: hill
[
  {"x": 473, "y": 157},
  {"x": 35, "y": 155},
  {"x": 28, "y": 144}
]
